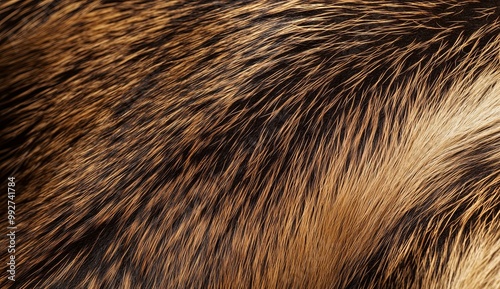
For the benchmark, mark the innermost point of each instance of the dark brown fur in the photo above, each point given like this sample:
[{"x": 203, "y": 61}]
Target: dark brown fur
[{"x": 252, "y": 144}]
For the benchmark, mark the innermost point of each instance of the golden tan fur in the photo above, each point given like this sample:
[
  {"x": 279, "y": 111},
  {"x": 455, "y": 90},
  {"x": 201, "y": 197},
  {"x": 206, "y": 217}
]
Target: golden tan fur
[{"x": 258, "y": 144}]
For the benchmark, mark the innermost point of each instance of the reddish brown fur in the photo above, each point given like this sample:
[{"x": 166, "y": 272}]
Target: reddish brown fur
[{"x": 253, "y": 144}]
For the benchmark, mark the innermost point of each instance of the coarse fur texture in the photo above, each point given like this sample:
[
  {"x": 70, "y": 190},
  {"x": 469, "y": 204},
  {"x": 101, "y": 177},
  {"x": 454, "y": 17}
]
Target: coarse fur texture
[{"x": 252, "y": 144}]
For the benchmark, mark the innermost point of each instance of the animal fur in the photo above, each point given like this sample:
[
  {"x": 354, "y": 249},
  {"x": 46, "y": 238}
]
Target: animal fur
[{"x": 252, "y": 144}]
